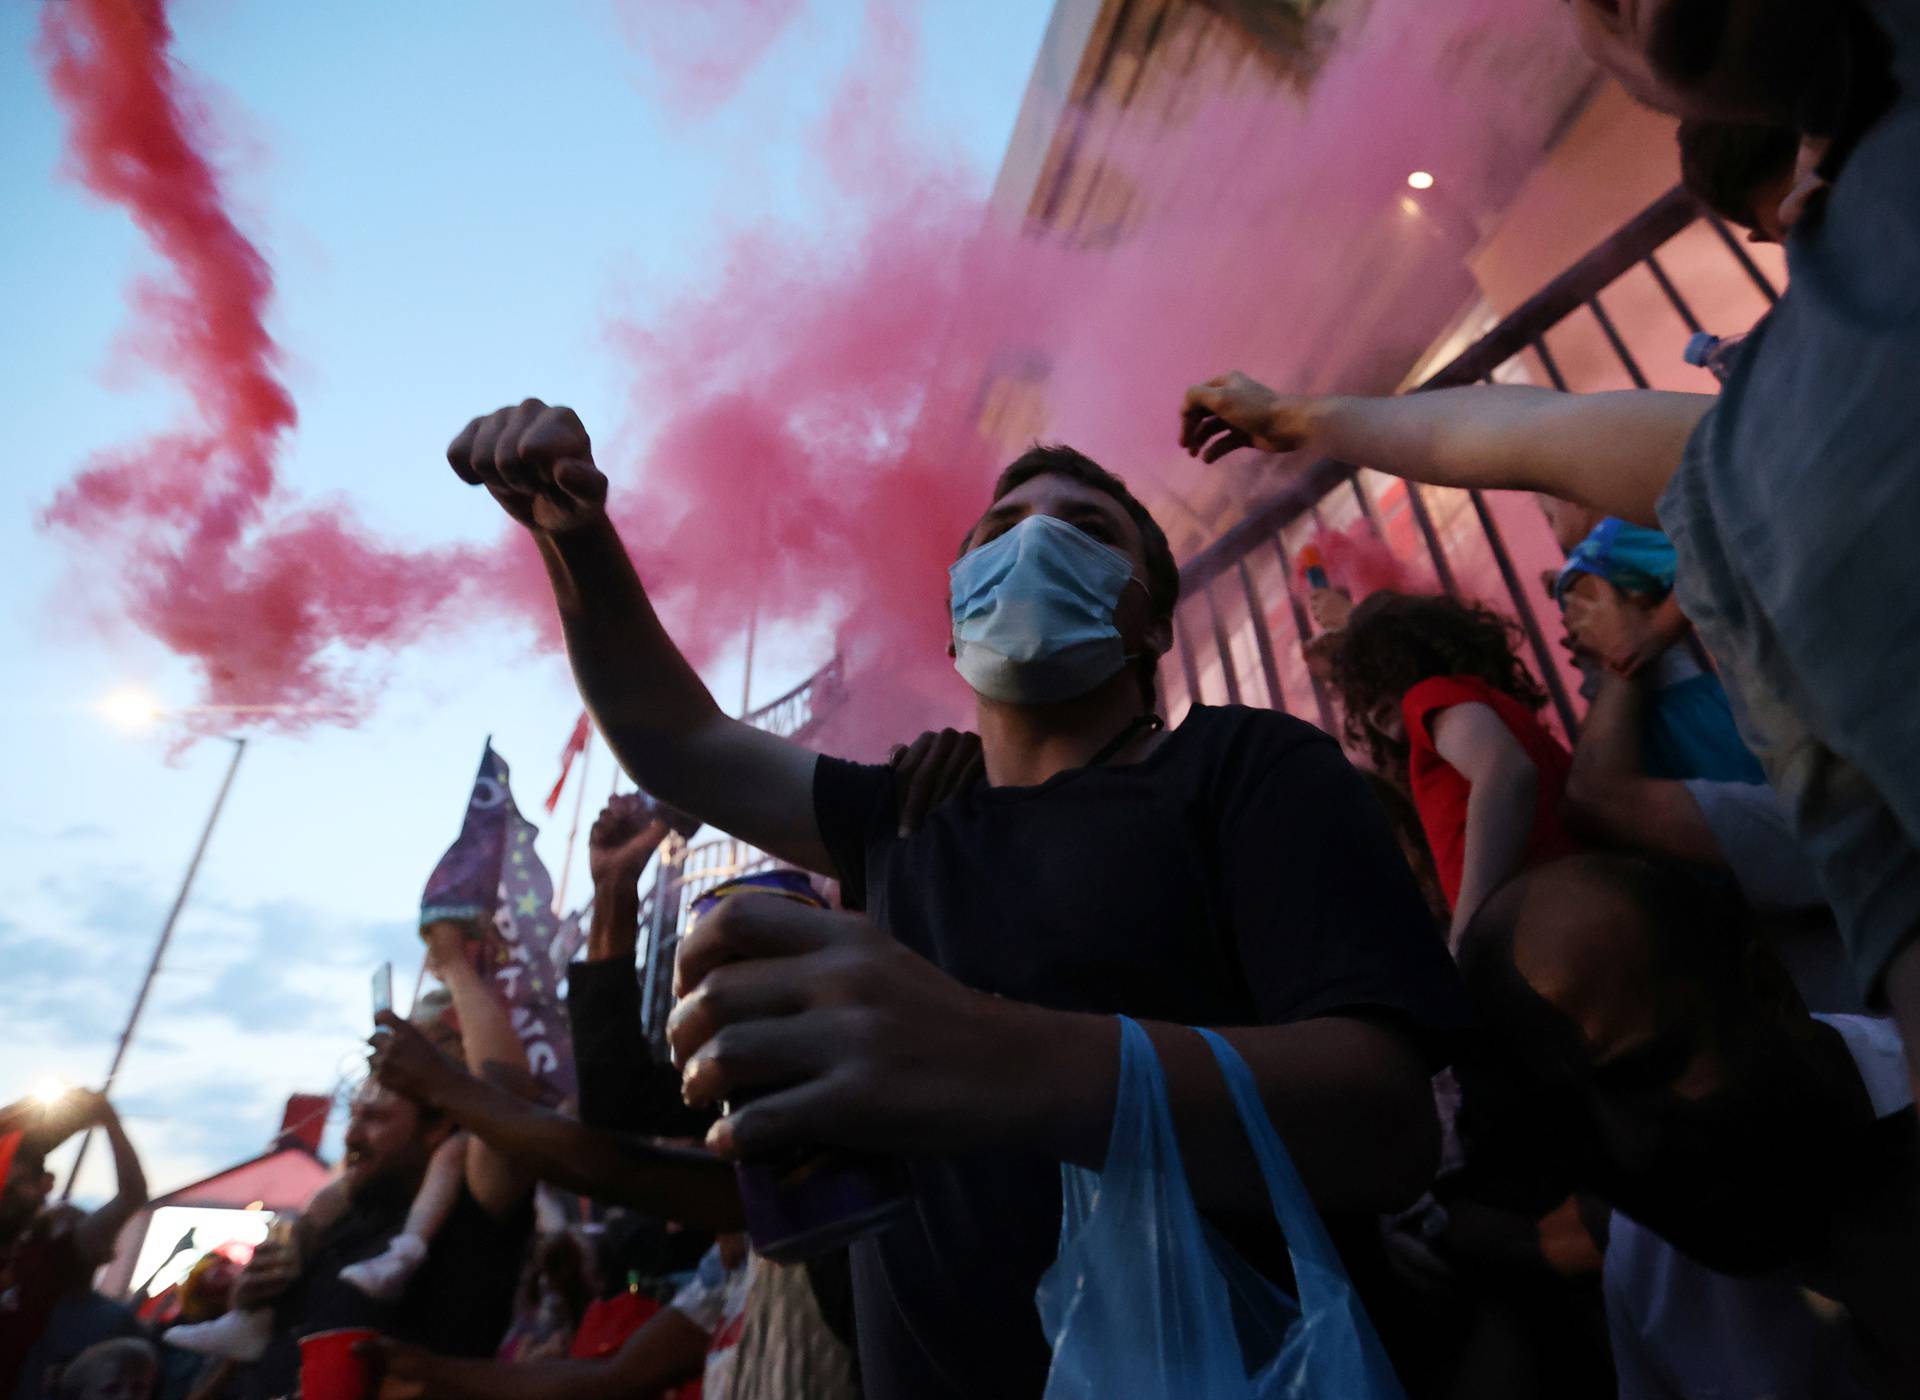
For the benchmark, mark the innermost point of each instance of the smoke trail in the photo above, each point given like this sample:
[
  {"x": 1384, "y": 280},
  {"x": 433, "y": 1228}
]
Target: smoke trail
[
  {"x": 834, "y": 410},
  {"x": 702, "y": 52},
  {"x": 204, "y": 552}
]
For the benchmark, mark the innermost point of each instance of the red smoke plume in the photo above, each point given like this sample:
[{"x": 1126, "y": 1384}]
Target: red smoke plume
[
  {"x": 818, "y": 422},
  {"x": 208, "y": 556}
]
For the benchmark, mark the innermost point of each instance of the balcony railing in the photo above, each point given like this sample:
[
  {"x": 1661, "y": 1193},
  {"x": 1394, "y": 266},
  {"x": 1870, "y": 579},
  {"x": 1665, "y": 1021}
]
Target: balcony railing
[{"x": 1229, "y": 644}]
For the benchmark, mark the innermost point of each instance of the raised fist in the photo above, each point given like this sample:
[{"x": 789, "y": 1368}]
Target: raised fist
[
  {"x": 624, "y": 838},
  {"x": 538, "y": 463},
  {"x": 1231, "y": 411}
]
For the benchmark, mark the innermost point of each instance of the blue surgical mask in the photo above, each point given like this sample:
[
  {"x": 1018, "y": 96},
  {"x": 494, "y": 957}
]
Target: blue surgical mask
[{"x": 1033, "y": 613}]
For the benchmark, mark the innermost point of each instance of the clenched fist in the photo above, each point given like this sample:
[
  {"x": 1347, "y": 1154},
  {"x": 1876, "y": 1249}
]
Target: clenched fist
[
  {"x": 1232, "y": 411},
  {"x": 538, "y": 462}
]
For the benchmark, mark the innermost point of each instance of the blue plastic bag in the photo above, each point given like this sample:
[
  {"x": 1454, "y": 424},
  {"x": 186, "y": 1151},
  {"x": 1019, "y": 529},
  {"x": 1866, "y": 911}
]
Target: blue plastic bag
[{"x": 1148, "y": 1301}]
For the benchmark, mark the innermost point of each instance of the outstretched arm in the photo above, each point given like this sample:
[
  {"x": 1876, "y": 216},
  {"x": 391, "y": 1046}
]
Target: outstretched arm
[
  {"x": 98, "y": 1232},
  {"x": 668, "y": 1349},
  {"x": 493, "y": 1052},
  {"x": 655, "y": 712},
  {"x": 692, "y": 1187},
  {"x": 1614, "y": 452}
]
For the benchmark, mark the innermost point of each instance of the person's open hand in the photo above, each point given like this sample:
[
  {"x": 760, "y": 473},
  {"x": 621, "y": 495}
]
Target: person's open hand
[
  {"x": 1232, "y": 411},
  {"x": 538, "y": 462},
  {"x": 1606, "y": 624},
  {"x": 623, "y": 839},
  {"x": 405, "y": 1061},
  {"x": 931, "y": 769},
  {"x": 847, "y": 1038},
  {"x": 1330, "y": 608}
]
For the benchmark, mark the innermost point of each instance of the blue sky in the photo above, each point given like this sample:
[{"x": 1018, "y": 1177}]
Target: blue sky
[{"x": 457, "y": 201}]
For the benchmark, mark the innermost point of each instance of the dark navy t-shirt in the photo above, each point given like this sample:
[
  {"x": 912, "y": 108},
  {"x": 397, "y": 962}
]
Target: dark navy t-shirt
[{"x": 1242, "y": 874}]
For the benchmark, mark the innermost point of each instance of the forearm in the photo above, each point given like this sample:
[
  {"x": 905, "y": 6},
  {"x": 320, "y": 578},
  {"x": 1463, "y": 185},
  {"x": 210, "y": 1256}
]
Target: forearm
[
  {"x": 692, "y": 1187},
  {"x": 644, "y": 696},
  {"x": 1500, "y": 816},
  {"x": 487, "y": 1039},
  {"x": 464, "y": 1378},
  {"x": 102, "y": 1227},
  {"x": 1608, "y": 753},
  {"x": 1614, "y": 452},
  {"x": 613, "y": 933},
  {"x": 667, "y": 1350},
  {"x": 1349, "y": 1097}
]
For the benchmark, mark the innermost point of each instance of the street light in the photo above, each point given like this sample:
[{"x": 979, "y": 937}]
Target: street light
[{"x": 134, "y": 709}]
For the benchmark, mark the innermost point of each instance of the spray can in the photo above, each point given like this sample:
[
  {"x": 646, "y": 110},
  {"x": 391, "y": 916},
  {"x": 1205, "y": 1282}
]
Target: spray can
[
  {"x": 1313, "y": 567},
  {"x": 805, "y": 1201},
  {"x": 1713, "y": 353}
]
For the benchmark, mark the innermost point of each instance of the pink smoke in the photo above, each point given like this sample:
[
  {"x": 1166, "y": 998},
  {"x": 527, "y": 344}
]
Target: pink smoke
[
  {"x": 205, "y": 552},
  {"x": 820, "y": 426},
  {"x": 823, "y": 444},
  {"x": 1360, "y": 562},
  {"x": 702, "y": 52}
]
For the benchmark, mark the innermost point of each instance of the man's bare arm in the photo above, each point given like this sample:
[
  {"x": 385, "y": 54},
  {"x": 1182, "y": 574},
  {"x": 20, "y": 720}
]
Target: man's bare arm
[
  {"x": 1615, "y": 452},
  {"x": 1610, "y": 795},
  {"x": 97, "y": 1234},
  {"x": 649, "y": 703},
  {"x": 692, "y": 1187},
  {"x": 668, "y": 1349}
]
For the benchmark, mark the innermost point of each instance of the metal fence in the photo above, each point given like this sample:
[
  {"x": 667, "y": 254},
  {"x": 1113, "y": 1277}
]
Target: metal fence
[{"x": 1241, "y": 626}]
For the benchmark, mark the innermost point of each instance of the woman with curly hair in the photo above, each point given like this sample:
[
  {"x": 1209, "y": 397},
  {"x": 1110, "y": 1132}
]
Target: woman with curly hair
[{"x": 1436, "y": 694}]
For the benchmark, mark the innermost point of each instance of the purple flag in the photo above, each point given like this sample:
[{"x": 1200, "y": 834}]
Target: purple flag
[
  {"x": 465, "y": 885},
  {"x": 491, "y": 876}
]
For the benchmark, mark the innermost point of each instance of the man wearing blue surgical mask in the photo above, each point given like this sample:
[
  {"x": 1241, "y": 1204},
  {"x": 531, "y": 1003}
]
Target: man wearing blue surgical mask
[{"x": 1235, "y": 873}]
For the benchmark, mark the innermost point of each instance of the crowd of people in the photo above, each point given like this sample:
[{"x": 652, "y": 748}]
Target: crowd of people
[{"x": 1595, "y": 1052}]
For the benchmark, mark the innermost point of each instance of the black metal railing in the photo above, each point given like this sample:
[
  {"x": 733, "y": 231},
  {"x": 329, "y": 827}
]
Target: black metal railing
[
  {"x": 1225, "y": 575},
  {"x": 1575, "y": 295}
]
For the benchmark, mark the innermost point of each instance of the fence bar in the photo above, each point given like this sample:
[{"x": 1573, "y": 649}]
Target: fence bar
[
  {"x": 1226, "y": 652},
  {"x": 1619, "y": 346},
  {"x": 1529, "y": 620},
  {"x": 1548, "y": 363},
  {"x": 1678, "y": 302},
  {"x": 1302, "y": 629},
  {"x": 1424, "y": 519},
  {"x": 1366, "y": 501},
  {"x": 1263, "y": 640},
  {"x": 1744, "y": 258}
]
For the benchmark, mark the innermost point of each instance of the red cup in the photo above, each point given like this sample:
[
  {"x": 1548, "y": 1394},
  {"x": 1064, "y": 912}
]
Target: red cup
[{"x": 329, "y": 1369}]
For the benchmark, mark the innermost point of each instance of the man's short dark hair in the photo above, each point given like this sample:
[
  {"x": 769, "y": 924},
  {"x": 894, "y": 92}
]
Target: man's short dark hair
[
  {"x": 1725, "y": 166},
  {"x": 1163, "y": 574}
]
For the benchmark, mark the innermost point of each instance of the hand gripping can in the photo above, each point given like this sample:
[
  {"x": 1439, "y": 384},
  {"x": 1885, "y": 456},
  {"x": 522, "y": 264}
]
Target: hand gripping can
[{"x": 801, "y": 1202}]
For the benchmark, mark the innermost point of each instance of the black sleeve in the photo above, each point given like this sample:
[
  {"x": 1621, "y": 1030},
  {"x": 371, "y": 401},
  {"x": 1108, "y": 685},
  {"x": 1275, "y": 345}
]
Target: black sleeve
[
  {"x": 1326, "y": 916},
  {"x": 622, "y": 1088},
  {"x": 850, "y": 802}
]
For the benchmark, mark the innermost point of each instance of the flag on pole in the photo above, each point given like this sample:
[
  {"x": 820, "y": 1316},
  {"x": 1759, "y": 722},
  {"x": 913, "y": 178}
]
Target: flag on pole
[
  {"x": 492, "y": 877},
  {"x": 576, "y": 745},
  {"x": 465, "y": 885}
]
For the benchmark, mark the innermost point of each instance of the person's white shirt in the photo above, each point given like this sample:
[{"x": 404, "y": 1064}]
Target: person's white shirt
[{"x": 1681, "y": 1331}]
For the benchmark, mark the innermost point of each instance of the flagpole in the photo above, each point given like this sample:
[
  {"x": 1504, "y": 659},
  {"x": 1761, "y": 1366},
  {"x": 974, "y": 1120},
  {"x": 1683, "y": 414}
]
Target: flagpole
[
  {"x": 573, "y": 835},
  {"x": 160, "y": 950}
]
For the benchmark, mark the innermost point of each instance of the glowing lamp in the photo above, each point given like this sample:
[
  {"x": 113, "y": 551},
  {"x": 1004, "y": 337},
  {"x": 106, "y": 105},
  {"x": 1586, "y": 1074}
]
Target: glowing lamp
[{"x": 1420, "y": 180}]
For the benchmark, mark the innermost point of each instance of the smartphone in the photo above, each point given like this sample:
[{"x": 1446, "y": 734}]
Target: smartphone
[{"x": 383, "y": 988}]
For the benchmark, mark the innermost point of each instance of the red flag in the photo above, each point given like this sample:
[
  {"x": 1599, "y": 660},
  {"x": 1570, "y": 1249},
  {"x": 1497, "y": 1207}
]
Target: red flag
[{"x": 576, "y": 745}]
